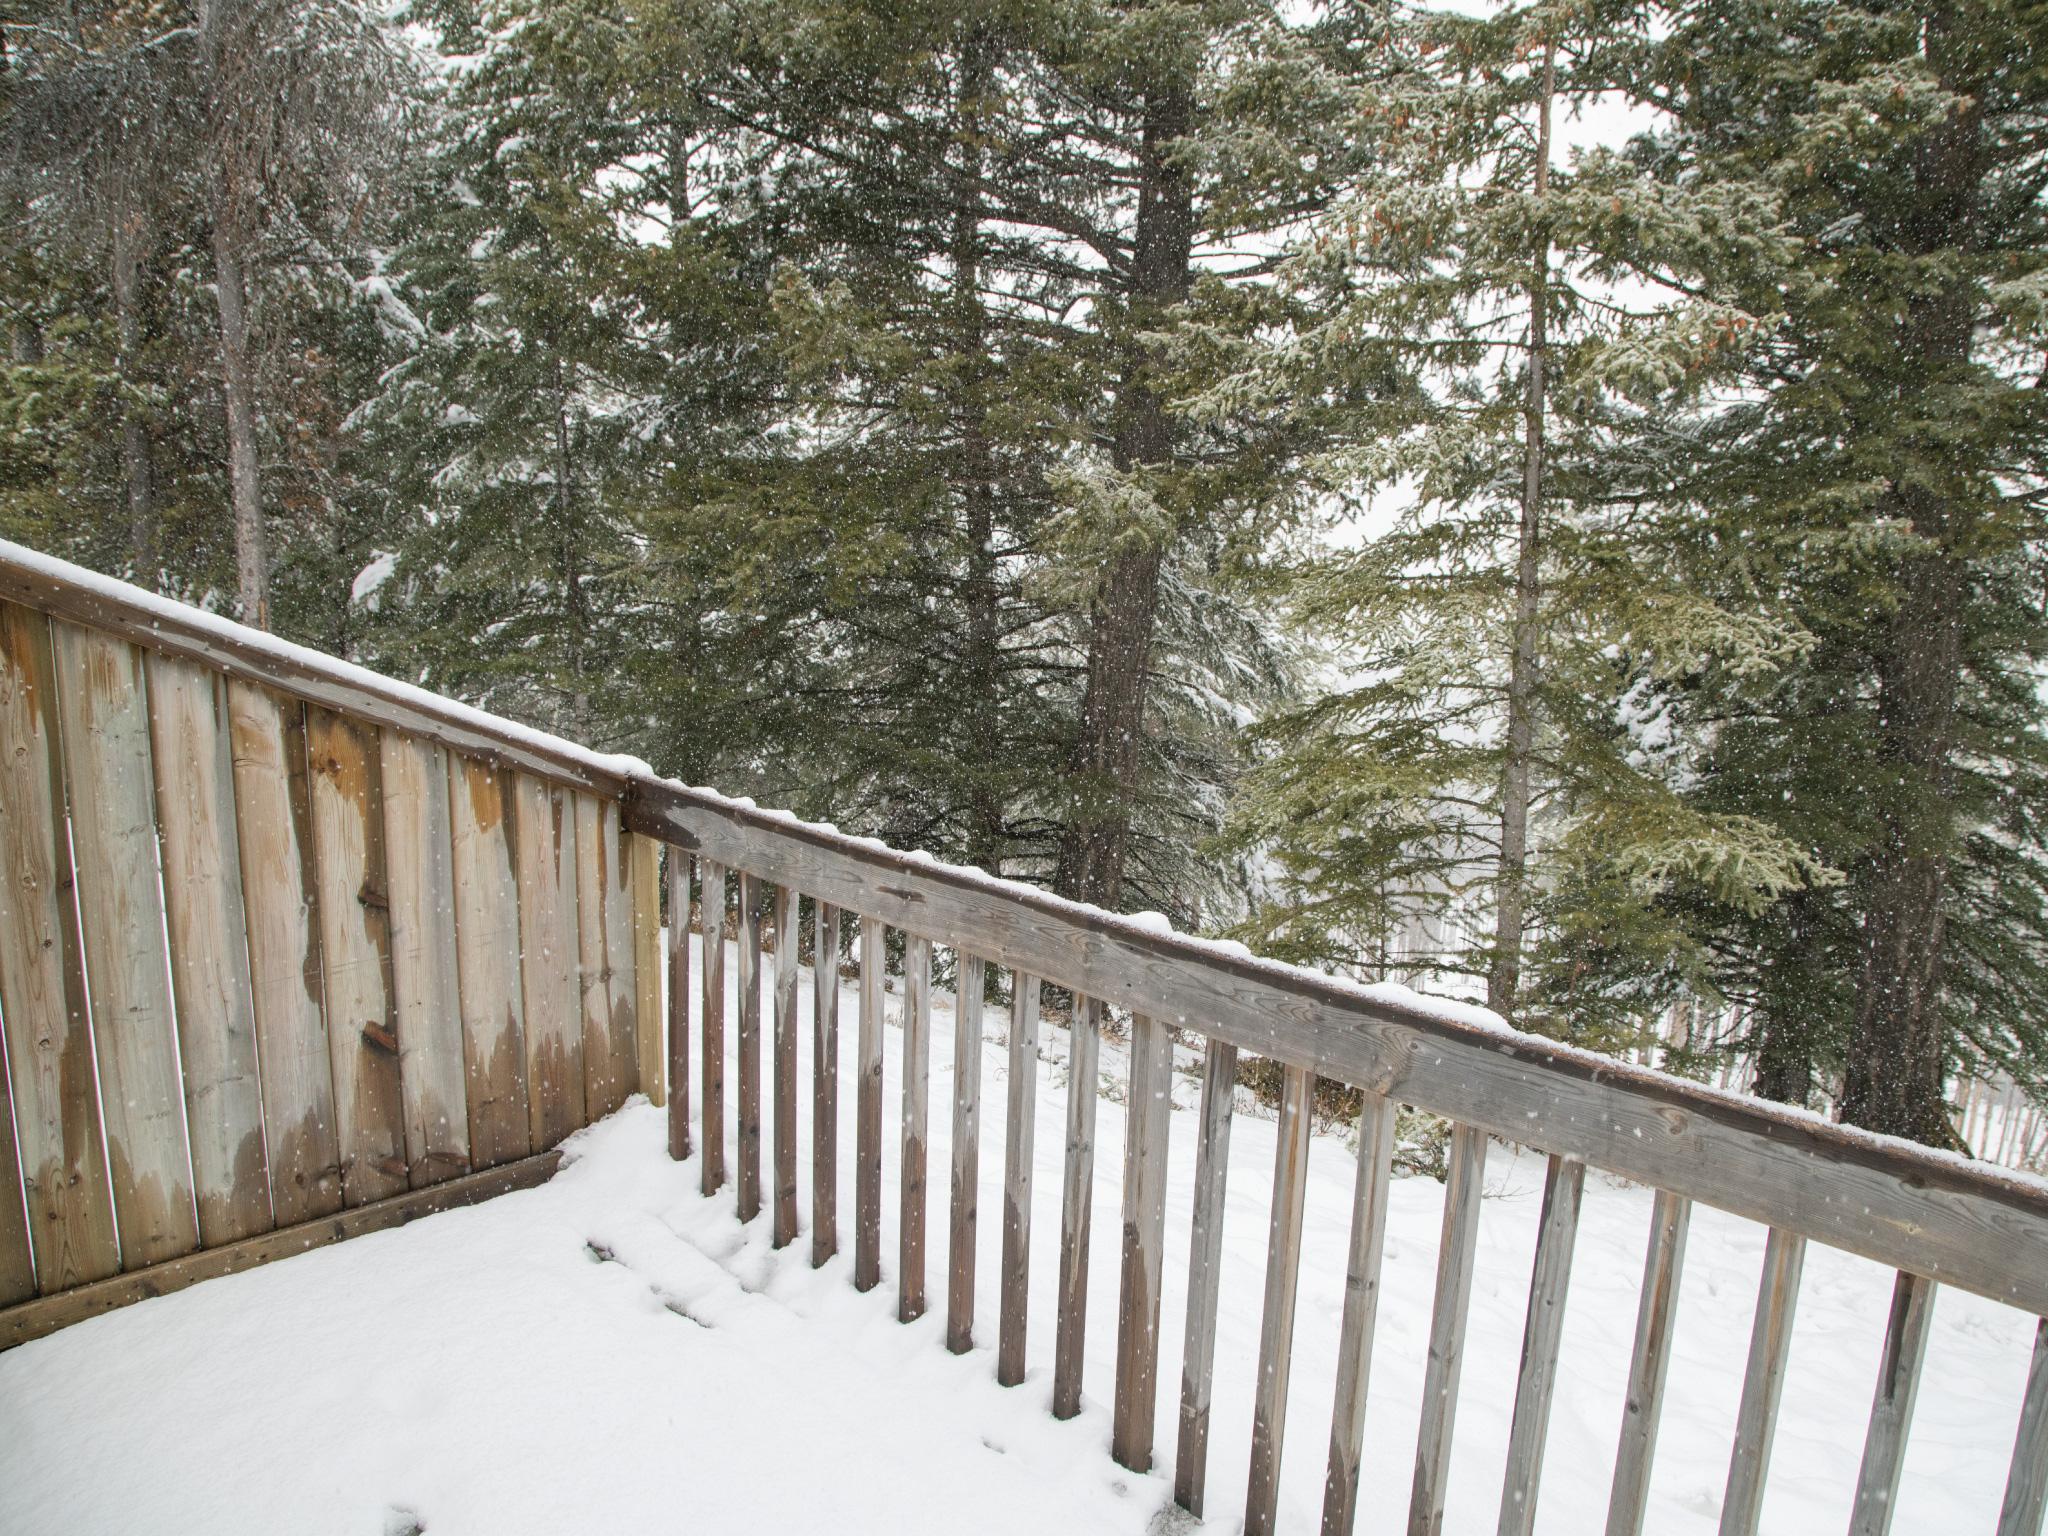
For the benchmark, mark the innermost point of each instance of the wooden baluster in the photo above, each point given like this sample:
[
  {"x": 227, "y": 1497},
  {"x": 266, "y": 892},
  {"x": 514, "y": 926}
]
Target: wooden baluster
[
  {"x": 651, "y": 1066},
  {"x": 1018, "y": 1149},
  {"x": 1563, "y": 1188},
  {"x": 1084, "y": 1056},
  {"x": 1891, "y": 1413},
  {"x": 547, "y": 958},
  {"x": 966, "y": 1151},
  {"x": 593, "y": 985},
  {"x": 1361, "y": 1312},
  {"x": 1276, "y": 1330},
  {"x": 867, "y": 1168},
  {"x": 711, "y": 1113},
  {"x": 1656, "y": 1315},
  {"x": 917, "y": 1064},
  {"x": 1770, "y": 1345},
  {"x": 622, "y": 988},
  {"x": 1205, "y": 1265},
  {"x": 1454, "y": 1264},
  {"x": 1149, "y": 1109},
  {"x": 824, "y": 1082},
  {"x": 2026, "y": 1486},
  {"x": 785, "y": 1066},
  {"x": 678, "y": 1003},
  {"x": 749, "y": 1043}
]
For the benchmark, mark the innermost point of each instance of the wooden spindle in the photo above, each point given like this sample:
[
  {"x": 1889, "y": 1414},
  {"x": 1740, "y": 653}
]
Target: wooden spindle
[
  {"x": 867, "y": 1165},
  {"x": 711, "y": 1113},
  {"x": 785, "y": 1067},
  {"x": 1361, "y": 1312},
  {"x": 1770, "y": 1346},
  {"x": 1891, "y": 1412},
  {"x": 1084, "y": 1054},
  {"x": 749, "y": 1044},
  {"x": 1276, "y": 1331},
  {"x": 1556, "y": 1235},
  {"x": 1205, "y": 1266},
  {"x": 1455, "y": 1257},
  {"x": 1656, "y": 1315},
  {"x": 1018, "y": 1147},
  {"x": 1149, "y": 1113},
  {"x": 917, "y": 1064},
  {"x": 824, "y": 1082},
  {"x": 678, "y": 1003},
  {"x": 966, "y": 1152},
  {"x": 2026, "y": 1486}
]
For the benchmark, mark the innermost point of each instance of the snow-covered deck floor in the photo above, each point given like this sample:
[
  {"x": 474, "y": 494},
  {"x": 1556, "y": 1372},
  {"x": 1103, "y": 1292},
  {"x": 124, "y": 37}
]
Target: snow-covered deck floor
[{"x": 611, "y": 1353}]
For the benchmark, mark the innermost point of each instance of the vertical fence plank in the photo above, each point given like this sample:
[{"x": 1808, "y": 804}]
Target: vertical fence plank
[
  {"x": 42, "y": 979},
  {"x": 622, "y": 985},
  {"x": 1557, "y": 1234},
  {"x": 824, "y": 1082},
  {"x": 593, "y": 989},
  {"x": 215, "y": 1007},
  {"x": 353, "y": 903},
  {"x": 418, "y": 844},
  {"x": 1361, "y": 1312},
  {"x": 103, "y": 725},
  {"x": 280, "y": 886},
  {"x": 785, "y": 1066},
  {"x": 1205, "y": 1267},
  {"x": 1070, "y": 1326},
  {"x": 1656, "y": 1316},
  {"x": 2026, "y": 1486},
  {"x": 917, "y": 1066},
  {"x": 1770, "y": 1346},
  {"x": 678, "y": 1003},
  {"x": 487, "y": 962},
  {"x": 711, "y": 1112},
  {"x": 750, "y": 1048},
  {"x": 1459, "y": 1244},
  {"x": 967, "y": 1010},
  {"x": 644, "y": 924},
  {"x": 867, "y": 1166},
  {"x": 1891, "y": 1413},
  {"x": 1276, "y": 1330},
  {"x": 548, "y": 963},
  {"x": 1149, "y": 1113},
  {"x": 1018, "y": 1148},
  {"x": 17, "y": 1262}
]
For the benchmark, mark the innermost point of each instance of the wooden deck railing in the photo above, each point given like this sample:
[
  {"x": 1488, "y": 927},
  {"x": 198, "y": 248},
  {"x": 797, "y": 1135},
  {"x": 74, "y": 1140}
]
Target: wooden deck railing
[{"x": 398, "y": 947}]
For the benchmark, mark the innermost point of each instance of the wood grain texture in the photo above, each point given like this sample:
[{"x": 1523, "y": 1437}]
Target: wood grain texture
[
  {"x": 711, "y": 1108},
  {"x": 1205, "y": 1269},
  {"x": 1455, "y": 1256},
  {"x": 679, "y": 876},
  {"x": 1148, "y": 1112},
  {"x": 418, "y": 842},
  {"x": 1770, "y": 1348},
  {"x": 1276, "y": 1330},
  {"x": 1361, "y": 1313},
  {"x": 824, "y": 1082},
  {"x": 17, "y": 1261},
  {"x": 353, "y": 904},
  {"x": 917, "y": 1094},
  {"x": 103, "y": 710},
  {"x": 209, "y": 952},
  {"x": 281, "y": 891},
  {"x": 1891, "y": 1413},
  {"x": 1971, "y": 1226},
  {"x": 2025, "y": 1505},
  {"x": 622, "y": 982},
  {"x": 33, "y": 1320},
  {"x": 1557, "y": 1234},
  {"x": 42, "y": 981},
  {"x": 1070, "y": 1321},
  {"x": 644, "y": 925},
  {"x": 482, "y": 812},
  {"x": 601, "y": 1090},
  {"x": 867, "y": 1165},
  {"x": 785, "y": 1073},
  {"x": 550, "y": 969},
  {"x": 964, "y": 1207},
  {"x": 1656, "y": 1317},
  {"x": 748, "y": 1049},
  {"x": 1019, "y": 1122}
]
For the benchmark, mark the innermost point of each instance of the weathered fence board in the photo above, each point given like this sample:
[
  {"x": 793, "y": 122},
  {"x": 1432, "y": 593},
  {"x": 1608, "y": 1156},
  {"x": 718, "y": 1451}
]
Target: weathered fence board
[
  {"x": 711, "y": 1111},
  {"x": 1454, "y": 1264},
  {"x": 785, "y": 1217},
  {"x": 2026, "y": 1486},
  {"x": 1557, "y": 1235},
  {"x": 487, "y": 963},
  {"x": 1205, "y": 1268},
  {"x": 965, "y": 1203},
  {"x": 1070, "y": 1324},
  {"x": 549, "y": 969},
  {"x": 1020, "y": 1120},
  {"x": 1891, "y": 1414},
  {"x": 678, "y": 1004},
  {"x": 1148, "y": 1114},
  {"x": 644, "y": 928},
  {"x": 1361, "y": 1313},
  {"x": 824, "y": 1082},
  {"x": 1656, "y": 1316},
  {"x": 748, "y": 1049},
  {"x": 622, "y": 984},
  {"x": 1770, "y": 1347},
  {"x": 917, "y": 1093},
  {"x": 1276, "y": 1328},
  {"x": 17, "y": 1263},
  {"x": 867, "y": 1165}
]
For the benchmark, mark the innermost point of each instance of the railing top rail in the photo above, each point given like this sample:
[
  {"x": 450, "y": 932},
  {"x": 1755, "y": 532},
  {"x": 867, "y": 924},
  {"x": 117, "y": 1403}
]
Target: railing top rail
[{"x": 1917, "y": 1209}]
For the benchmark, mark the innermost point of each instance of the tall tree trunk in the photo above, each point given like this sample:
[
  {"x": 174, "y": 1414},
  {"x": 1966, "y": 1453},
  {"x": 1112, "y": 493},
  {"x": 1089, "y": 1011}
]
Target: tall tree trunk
[
  {"x": 1504, "y": 974},
  {"x": 1124, "y": 615},
  {"x": 134, "y": 432},
  {"x": 1785, "y": 1006}
]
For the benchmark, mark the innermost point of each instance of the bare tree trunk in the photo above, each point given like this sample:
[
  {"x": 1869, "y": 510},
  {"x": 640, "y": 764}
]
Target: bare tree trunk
[
  {"x": 1109, "y": 753},
  {"x": 1504, "y": 973}
]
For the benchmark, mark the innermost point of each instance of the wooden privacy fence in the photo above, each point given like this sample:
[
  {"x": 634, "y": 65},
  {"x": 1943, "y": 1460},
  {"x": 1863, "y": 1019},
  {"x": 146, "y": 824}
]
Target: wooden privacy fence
[{"x": 496, "y": 947}]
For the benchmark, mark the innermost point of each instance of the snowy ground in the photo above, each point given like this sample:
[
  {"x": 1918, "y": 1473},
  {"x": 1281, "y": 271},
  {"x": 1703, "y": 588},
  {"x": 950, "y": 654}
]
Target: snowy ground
[{"x": 612, "y": 1353}]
